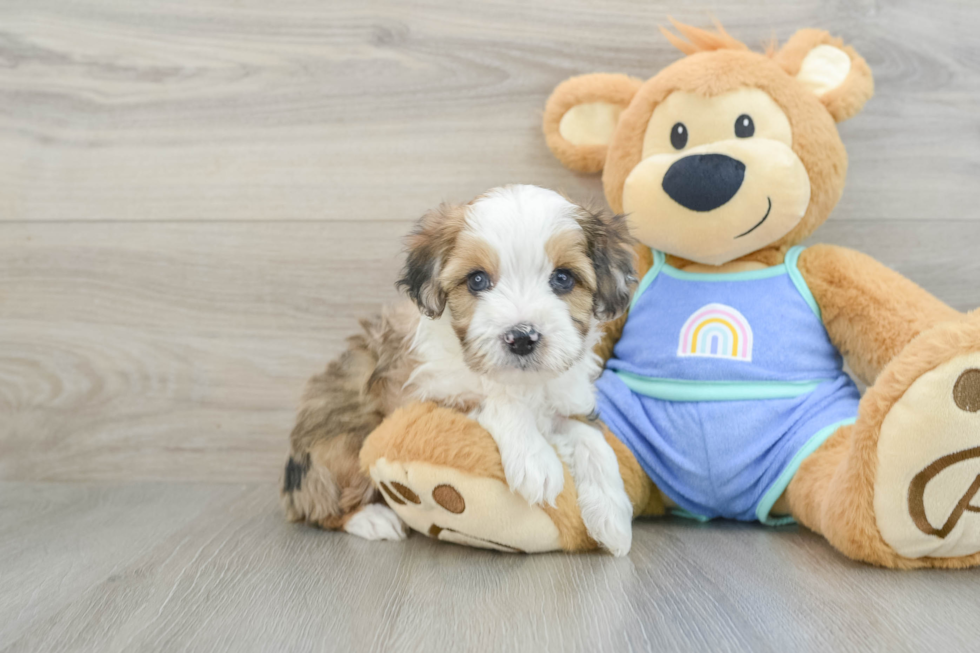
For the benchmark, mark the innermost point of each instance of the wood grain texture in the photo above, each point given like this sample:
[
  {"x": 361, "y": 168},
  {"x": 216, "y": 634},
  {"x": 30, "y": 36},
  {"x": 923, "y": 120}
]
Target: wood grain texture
[
  {"x": 173, "y": 350},
  {"x": 217, "y": 569},
  {"x": 200, "y": 198},
  {"x": 305, "y": 110}
]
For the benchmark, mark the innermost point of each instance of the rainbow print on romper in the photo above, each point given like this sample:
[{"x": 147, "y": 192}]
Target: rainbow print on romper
[{"x": 716, "y": 331}]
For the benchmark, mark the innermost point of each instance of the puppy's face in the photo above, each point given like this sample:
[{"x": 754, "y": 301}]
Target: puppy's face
[{"x": 526, "y": 276}]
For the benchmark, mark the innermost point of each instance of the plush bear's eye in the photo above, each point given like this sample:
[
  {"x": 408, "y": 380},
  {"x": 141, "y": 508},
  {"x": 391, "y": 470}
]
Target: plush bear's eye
[
  {"x": 744, "y": 127},
  {"x": 678, "y": 136},
  {"x": 478, "y": 281}
]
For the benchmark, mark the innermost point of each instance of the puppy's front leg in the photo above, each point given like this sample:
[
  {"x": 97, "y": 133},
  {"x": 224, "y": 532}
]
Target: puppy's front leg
[
  {"x": 530, "y": 464},
  {"x": 606, "y": 509}
]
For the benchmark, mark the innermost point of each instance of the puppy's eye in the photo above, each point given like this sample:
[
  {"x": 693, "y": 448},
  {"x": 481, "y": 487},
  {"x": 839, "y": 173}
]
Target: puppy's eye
[
  {"x": 678, "y": 136},
  {"x": 562, "y": 281},
  {"x": 744, "y": 127},
  {"x": 478, "y": 281}
]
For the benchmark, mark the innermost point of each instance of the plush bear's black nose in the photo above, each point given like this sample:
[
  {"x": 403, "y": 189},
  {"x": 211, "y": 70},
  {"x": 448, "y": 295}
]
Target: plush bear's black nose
[{"x": 703, "y": 182}]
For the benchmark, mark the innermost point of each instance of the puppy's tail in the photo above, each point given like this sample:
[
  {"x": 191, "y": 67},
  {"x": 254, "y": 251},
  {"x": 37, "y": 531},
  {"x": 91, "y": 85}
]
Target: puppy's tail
[{"x": 322, "y": 482}]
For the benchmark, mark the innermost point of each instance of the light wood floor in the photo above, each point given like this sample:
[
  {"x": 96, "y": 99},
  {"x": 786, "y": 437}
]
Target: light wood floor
[{"x": 198, "y": 200}]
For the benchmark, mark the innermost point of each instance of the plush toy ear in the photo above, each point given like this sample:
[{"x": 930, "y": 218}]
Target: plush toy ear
[
  {"x": 837, "y": 74},
  {"x": 581, "y": 116}
]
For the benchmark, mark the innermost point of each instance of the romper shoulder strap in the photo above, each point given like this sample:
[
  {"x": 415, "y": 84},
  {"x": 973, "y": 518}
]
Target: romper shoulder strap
[
  {"x": 659, "y": 261},
  {"x": 792, "y": 258}
]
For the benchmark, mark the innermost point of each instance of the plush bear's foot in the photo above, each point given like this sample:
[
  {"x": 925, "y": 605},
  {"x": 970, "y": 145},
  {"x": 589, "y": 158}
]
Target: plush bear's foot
[
  {"x": 900, "y": 487},
  {"x": 441, "y": 473},
  {"x": 376, "y": 522},
  {"x": 927, "y": 486},
  {"x": 455, "y": 507}
]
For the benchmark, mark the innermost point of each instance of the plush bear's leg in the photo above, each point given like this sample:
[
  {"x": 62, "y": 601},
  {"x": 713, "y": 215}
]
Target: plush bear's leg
[
  {"x": 901, "y": 487},
  {"x": 441, "y": 473}
]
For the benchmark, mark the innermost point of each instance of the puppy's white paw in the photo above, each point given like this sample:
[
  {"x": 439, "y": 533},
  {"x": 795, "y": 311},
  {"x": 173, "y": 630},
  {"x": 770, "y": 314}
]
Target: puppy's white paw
[
  {"x": 536, "y": 474},
  {"x": 606, "y": 508},
  {"x": 376, "y": 522},
  {"x": 608, "y": 516}
]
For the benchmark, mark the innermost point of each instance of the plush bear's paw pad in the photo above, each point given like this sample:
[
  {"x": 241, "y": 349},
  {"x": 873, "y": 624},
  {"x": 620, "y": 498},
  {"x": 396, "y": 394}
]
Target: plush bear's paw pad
[
  {"x": 927, "y": 489},
  {"x": 376, "y": 522},
  {"x": 537, "y": 475},
  {"x": 966, "y": 391},
  {"x": 454, "y": 506}
]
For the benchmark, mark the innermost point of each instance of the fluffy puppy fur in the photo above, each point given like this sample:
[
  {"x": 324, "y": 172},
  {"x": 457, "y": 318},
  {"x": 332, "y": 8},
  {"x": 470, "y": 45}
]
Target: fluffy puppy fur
[{"x": 509, "y": 294}]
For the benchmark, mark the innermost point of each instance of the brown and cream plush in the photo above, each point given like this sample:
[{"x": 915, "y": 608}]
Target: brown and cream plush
[{"x": 723, "y": 392}]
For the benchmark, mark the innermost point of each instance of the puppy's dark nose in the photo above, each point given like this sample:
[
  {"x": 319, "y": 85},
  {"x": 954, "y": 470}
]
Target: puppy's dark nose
[
  {"x": 522, "y": 340},
  {"x": 703, "y": 182}
]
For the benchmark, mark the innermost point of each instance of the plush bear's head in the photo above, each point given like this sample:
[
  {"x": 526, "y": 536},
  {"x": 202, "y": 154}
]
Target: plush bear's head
[{"x": 725, "y": 153}]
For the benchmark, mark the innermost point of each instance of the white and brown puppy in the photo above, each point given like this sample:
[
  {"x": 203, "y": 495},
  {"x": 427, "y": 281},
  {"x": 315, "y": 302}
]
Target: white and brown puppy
[{"x": 512, "y": 289}]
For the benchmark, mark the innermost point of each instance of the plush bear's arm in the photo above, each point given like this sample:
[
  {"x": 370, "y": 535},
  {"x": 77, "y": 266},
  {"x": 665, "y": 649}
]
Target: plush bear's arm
[{"x": 870, "y": 311}]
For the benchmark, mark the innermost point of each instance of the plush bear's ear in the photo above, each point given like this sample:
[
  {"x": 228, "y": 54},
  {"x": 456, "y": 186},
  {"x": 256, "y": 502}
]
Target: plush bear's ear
[
  {"x": 833, "y": 71},
  {"x": 581, "y": 116}
]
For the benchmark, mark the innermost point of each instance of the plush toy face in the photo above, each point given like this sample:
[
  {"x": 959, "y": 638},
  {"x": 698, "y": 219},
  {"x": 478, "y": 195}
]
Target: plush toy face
[
  {"x": 723, "y": 153},
  {"x": 718, "y": 177}
]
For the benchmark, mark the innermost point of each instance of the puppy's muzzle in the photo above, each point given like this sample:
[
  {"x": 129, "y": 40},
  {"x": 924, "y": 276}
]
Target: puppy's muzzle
[{"x": 522, "y": 339}]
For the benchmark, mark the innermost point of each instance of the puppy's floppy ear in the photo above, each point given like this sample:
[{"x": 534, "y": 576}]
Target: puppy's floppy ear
[
  {"x": 834, "y": 72},
  {"x": 429, "y": 245},
  {"x": 581, "y": 116},
  {"x": 610, "y": 247}
]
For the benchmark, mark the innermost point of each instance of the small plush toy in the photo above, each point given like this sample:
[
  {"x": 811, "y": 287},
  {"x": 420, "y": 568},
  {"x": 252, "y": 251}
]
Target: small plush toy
[{"x": 724, "y": 391}]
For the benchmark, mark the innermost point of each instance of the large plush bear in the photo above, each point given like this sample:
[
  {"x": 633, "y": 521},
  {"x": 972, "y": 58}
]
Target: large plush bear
[{"x": 724, "y": 393}]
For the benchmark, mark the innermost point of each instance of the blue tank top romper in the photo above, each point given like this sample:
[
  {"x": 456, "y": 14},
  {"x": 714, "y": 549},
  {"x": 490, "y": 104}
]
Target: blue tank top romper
[{"x": 721, "y": 385}]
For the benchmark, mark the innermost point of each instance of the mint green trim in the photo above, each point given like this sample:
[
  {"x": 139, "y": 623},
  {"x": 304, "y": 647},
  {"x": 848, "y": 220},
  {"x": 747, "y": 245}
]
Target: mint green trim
[
  {"x": 687, "y": 514},
  {"x": 683, "y": 390},
  {"x": 792, "y": 258},
  {"x": 776, "y": 490},
  {"x": 659, "y": 261},
  {"x": 749, "y": 275}
]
